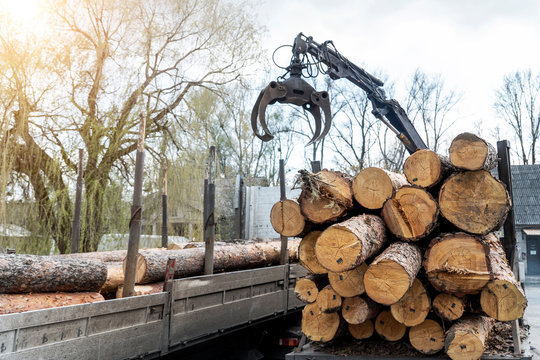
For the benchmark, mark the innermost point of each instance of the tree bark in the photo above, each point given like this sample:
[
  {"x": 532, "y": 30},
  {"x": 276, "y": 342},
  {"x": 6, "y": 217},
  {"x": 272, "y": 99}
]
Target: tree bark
[
  {"x": 466, "y": 339},
  {"x": 349, "y": 283},
  {"x": 457, "y": 263},
  {"x": 33, "y": 273},
  {"x": 449, "y": 307},
  {"x": 16, "y": 303},
  {"x": 362, "y": 331},
  {"x": 474, "y": 201},
  {"x": 328, "y": 300},
  {"x": 348, "y": 244},
  {"x": 426, "y": 168},
  {"x": 427, "y": 337},
  {"x": 357, "y": 309},
  {"x": 469, "y": 152},
  {"x": 115, "y": 278},
  {"x": 411, "y": 213},
  {"x": 320, "y": 326},
  {"x": 287, "y": 219},
  {"x": 145, "y": 289},
  {"x": 388, "y": 328},
  {"x": 413, "y": 308},
  {"x": 190, "y": 262},
  {"x": 307, "y": 289},
  {"x": 392, "y": 273},
  {"x": 372, "y": 186},
  {"x": 502, "y": 298},
  {"x": 306, "y": 253}
]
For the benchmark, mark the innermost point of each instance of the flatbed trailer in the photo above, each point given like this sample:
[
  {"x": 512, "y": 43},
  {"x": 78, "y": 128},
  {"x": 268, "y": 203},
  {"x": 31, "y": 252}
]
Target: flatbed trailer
[{"x": 197, "y": 309}]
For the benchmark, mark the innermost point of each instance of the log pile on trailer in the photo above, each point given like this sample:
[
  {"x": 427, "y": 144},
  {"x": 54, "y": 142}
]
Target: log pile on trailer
[{"x": 414, "y": 253}]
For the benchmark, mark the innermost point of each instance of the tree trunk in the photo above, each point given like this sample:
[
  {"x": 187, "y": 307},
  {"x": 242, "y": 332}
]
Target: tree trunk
[
  {"x": 457, "y": 263},
  {"x": 427, "y": 337},
  {"x": 349, "y": 283},
  {"x": 413, "y": 308},
  {"x": 469, "y": 152},
  {"x": 372, "y": 186},
  {"x": 348, "y": 244},
  {"x": 411, "y": 213},
  {"x": 306, "y": 253},
  {"x": 356, "y": 309},
  {"x": 307, "y": 289},
  {"x": 190, "y": 262},
  {"x": 388, "y": 328},
  {"x": 362, "y": 331},
  {"x": 474, "y": 201},
  {"x": 328, "y": 300},
  {"x": 466, "y": 339},
  {"x": 426, "y": 168},
  {"x": 502, "y": 298},
  {"x": 115, "y": 278},
  {"x": 320, "y": 326},
  {"x": 16, "y": 303},
  {"x": 33, "y": 273},
  {"x": 326, "y": 196},
  {"x": 93, "y": 220},
  {"x": 449, "y": 307},
  {"x": 287, "y": 219},
  {"x": 392, "y": 273},
  {"x": 146, "y": 289}
]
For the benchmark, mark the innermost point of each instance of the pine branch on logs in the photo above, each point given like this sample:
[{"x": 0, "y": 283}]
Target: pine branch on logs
[{"x": 372, "y": 186}]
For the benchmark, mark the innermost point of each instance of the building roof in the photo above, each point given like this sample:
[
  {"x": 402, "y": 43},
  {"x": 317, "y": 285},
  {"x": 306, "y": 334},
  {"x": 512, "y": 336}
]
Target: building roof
[{"x": 526, "y": 191}]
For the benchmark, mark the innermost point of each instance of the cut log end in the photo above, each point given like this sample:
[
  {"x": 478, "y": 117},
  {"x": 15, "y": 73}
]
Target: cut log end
[
  {"x": 286, "y": 218},
  {"x": 502, "y": 300},
  {"x": 448, "y": 306},
  {"x": 466, "y": 338},
  {"x": 328, "y": 300},
  {"x": 362, "y": 331},
  {"x": 372, "y": 186},
  {"x": 388, "y": 328},
  {"x": 306, "y": 290},
  {"x": 349, "y": 283},
  {"x": 427, "y": 337},
  {"x": 469, "y": 152},
  {"x": 140, "y": 271},
  {"x": 319, "y": 326},
  {"x": 356, "y": 310},
  {"x": 413, "y": 308},
  {"x": 423, "y": 168},
  {"x": 306, "y": 253}
]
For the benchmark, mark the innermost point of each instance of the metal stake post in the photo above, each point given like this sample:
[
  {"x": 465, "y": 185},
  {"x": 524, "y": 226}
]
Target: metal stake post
[
  {"x": 238, "y": 206},
  {"x": 164, "y": 227},
  {"x": 284, "y": 258},
  {"x": 136, "y": 212},
  {"x": 209, "y": 223},
  {"x": 76, "y": 226}
]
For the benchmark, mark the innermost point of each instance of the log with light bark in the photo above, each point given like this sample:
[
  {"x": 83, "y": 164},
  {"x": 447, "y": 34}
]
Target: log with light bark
[
  {"x": 448, "y": 306},
  {"x": 469, "y": 152},
  {"x": 388, "y": 328},
  {"x": 502, "y": 298},
  {"x": 349, "y": 283},
  {"x": 411, "y": 213},
  {"x": 16, "y": 303},
  {"x": 328, "y": 300},
  {"x": 362, "y": 331},
  {"x": 457, "y": 263},
  {"x": 348, "y": 244},
  {"x": 426, "y": 168},
  {"x": 112, "y": 256},
  {"x": 413, "y": 308},
  {"x": 115, "y": 277},
  {"x": 372, "y": 186},
  {"x": 466, "y": 339},
  {"x": 357, "y": 309},
  {"x": 307, "y": 289},
  {"x": 320, "y": 326},
  {"x": 306, "y": 253},
  {"x": 474, "y": 201},
  {"x": 145, "y": 289},
  {"x": 392, "y": 273},
  {"x": 287, "y": 219},
  {"x": 34, "y": 273},
  {"x": 326, "y": 196},
  {"x": 190, "y": 262},
  {"x": 427, "y": 337}
]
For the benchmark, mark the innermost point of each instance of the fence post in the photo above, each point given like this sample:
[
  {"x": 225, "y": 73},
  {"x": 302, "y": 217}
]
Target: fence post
[{"x": 209, "y": 223}]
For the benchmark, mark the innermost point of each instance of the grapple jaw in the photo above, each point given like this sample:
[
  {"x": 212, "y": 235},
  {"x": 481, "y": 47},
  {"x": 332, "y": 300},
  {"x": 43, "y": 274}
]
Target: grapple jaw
[{"x": 294, "y": 91}]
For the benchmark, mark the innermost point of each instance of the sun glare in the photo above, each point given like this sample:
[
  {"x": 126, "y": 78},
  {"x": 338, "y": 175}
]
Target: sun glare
[{"x": 24, "y": 14}]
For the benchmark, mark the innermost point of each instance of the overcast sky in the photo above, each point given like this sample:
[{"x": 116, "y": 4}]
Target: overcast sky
[{"x": 471, "y": 43}]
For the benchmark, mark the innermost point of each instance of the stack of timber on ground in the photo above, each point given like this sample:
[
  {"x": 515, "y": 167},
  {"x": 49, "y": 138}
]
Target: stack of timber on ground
[{"x": 410, "y": 256}]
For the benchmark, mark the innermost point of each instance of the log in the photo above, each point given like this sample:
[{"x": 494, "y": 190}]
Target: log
[
  {"x": 502, "y": 298},
  {"x": 113, "y": 256},
  {"x": 320, "y": 326},
  {"x": 306, "y": 253},
  {"x": 145, "y": 289},
  {"x": 190, "y": 262},
  {"x": 427, "y": 337},
  {"x": 392, "y": 273},
  {"x": 388, "y": 328},
  {"x": 411, "y": 214},
  {"x": 286, "y": 218},
  {"x": 328, "y": 300},
  {"x": 307, "y": 289},
  {"x": 16, "y": 303},
  {"x": 466, "y": 338},
  {"x": 349, "y": 283},
  {"x": 448, "y": 306},
  {"x": 326, "y": 196},
  {"x": 362, "y": 331},
  {"x": 372, "y": 186},
  {"x": 413, "y": 308},
  {"x": 115, "y": 277},
  {"x": 356, "y": 309},
  {"x": 34, "y": 273},
  {"x": 474, "y": 201},
  {"x": 469, "y": 152},
  {"x": 457, "y": 263},
  {"x": 426, "y": 168},
  {"x": 348, "y": 244}
]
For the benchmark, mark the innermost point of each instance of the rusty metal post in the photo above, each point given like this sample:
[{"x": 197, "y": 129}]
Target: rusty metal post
[
  {"x": 284, "y": 255},
  {"x": 238, "y": 206},
  {"x": 209, "y": 223},
  {"x": 136, "y": 215},
  {"x": 315, "y": 166},
  {"x": 76, "y": 225},
  {"x": 164, "y": 218}
]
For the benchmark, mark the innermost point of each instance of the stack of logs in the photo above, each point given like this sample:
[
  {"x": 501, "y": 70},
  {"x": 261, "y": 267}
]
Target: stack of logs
[{"x": 388, "y": 252}]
